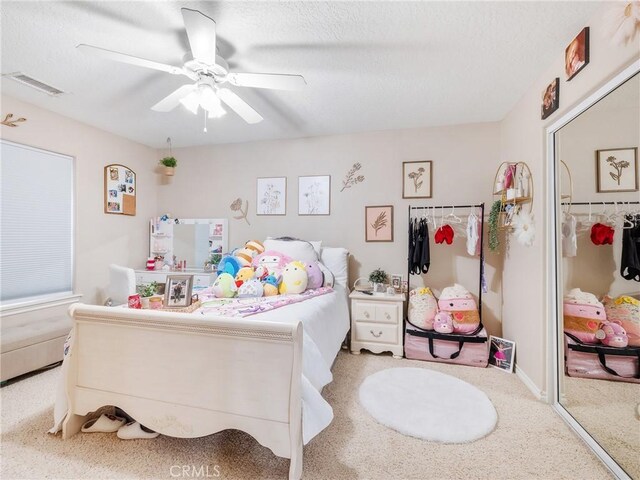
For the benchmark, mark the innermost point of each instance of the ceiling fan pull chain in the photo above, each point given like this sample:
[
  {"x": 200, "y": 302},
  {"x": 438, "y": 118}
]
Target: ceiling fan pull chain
[
  {"x": 205, "y": 120},
  {"x": 169, "y": 143}
]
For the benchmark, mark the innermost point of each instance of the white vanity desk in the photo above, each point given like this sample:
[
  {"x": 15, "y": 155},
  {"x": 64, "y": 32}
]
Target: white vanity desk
[
  {"x": 200, "y": 277},
  {"x": 193, "y": 240}
]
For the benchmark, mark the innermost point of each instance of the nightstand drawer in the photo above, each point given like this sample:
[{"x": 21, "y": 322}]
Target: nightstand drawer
[
  {"x": 387, "y": 313},
  {"x": 375, "y": 312},
  {"x": 373, "y": 332}
]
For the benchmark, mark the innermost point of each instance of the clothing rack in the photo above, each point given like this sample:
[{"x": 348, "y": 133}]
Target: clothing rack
[
  {"x": 595, "y": 204},
  {"x": 481, "y": 207}
]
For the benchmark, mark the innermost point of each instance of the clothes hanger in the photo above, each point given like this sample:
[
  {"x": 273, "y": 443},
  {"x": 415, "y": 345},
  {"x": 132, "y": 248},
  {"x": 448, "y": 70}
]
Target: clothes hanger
[{"x": 452, "y": 217}]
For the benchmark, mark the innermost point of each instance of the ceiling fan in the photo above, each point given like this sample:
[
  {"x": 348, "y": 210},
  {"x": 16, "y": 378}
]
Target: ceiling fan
[{"x": 208, "y": 70}]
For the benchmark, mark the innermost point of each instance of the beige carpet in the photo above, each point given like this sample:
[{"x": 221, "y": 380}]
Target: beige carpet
[
  {"x": 530, "y": 441},
  {"x": 607, "y": 410}
]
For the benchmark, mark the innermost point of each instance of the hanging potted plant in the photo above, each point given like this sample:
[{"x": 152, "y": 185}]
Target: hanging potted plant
[{"x": 169, "y": 164}]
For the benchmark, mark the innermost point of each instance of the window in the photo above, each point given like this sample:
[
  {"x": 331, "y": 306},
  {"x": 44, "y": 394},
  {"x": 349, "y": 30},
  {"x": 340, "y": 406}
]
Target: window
[{"x": 36, "y": 226}]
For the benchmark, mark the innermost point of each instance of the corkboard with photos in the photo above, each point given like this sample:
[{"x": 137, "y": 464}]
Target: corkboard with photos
[{"x": 120, "y": 190}]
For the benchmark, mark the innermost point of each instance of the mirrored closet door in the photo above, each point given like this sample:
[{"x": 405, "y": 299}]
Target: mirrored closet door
[{"x": 597, "y": 294}]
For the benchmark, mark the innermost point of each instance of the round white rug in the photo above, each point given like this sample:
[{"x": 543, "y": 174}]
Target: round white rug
[{"x": 429, "y": 405}]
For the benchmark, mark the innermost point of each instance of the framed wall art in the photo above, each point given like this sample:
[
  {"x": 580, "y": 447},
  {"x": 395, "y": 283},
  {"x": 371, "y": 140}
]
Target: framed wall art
[
  {"x": 551, "y": 98},
  {"x": 617, "y": 170},
  {"x": 502, "y": 353},
  {"x": 576, "y": 55},
  {"x": 378, "y": 223},
  {"x": 177, "y": 292},
  {"x": 120, "y": 190},
  {"x": 271, "y": 196},
  {"x": 314, "y": 195},
  {"x": 417, "y": 179}
]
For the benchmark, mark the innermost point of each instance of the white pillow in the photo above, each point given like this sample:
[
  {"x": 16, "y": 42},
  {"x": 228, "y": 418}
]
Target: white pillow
[
  {"x": 296, "y": 249},
  {"x": 336, "y": 259},
  {"x": 329, "y": 278}
]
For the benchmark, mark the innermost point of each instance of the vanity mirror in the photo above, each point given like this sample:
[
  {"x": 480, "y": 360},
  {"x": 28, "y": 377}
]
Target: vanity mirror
[
  {"x": 596, "y": 384},
  {"x": 190, "y": 239}
]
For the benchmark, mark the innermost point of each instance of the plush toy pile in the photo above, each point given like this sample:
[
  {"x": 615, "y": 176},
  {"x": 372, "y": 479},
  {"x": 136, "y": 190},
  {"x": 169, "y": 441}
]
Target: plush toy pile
[
  {"x": 588, "y": 320},
  {"x": 253, "y": 272},
  {"x": 455, "y": 312}
]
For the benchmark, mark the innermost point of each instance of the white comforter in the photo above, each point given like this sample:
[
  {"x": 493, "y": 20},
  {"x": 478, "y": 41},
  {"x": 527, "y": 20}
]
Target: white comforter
[{"x": 325, "y": 322}]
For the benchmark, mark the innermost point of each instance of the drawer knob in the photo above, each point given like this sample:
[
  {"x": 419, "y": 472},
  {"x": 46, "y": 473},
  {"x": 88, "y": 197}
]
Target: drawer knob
[
  {"x": 366, "y": 314},
  {"x": 386, "y": 314},
  {"x": 374, "y": 334}
]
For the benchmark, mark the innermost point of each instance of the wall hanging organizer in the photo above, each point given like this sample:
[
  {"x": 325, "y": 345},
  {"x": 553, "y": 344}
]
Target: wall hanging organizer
[
  {"x": 513, "y": 188},
  {"x": 120, "y": 190}
]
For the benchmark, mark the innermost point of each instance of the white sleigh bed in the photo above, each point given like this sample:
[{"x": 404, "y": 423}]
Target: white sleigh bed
[{"x": 187, "y": 375}]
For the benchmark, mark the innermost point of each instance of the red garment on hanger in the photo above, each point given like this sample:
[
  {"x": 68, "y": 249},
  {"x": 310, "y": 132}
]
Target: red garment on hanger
[
  {"x": 602, "y": 234},
  {"x": 444, "y": 234}
]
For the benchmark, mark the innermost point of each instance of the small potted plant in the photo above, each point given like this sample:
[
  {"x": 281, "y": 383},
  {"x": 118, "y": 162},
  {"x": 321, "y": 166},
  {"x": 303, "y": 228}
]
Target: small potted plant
[
  {"x": 169, "y": 164},
  {"x": 378, "y": 278},
  {"x": 147, "y": 291}
]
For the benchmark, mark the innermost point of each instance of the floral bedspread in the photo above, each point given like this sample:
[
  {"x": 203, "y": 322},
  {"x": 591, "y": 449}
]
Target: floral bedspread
[{"x": 243, "y": 307}]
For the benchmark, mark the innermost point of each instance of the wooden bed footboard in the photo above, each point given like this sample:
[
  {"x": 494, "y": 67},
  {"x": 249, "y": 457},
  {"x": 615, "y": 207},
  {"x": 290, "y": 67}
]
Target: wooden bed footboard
[{"x": 185, "y": 375}]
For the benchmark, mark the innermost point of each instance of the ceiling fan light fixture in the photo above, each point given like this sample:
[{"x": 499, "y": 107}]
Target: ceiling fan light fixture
[
  {"x": 191, "y": 102},
  {"x": 216, "y": 113}
]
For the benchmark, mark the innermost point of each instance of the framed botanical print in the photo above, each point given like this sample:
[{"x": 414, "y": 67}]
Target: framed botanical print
[
  {"x": 314, "y": 195},
  {"x": 417, "y": 179},
  {"x": 617, "y": 170},
  {"x": 378, "y": 223},
  {"x": 271, "y": 196}
]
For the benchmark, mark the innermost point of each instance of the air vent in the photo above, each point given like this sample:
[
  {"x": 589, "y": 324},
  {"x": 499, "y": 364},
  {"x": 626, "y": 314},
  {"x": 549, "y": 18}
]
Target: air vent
[{"x": 33, "y": 83}]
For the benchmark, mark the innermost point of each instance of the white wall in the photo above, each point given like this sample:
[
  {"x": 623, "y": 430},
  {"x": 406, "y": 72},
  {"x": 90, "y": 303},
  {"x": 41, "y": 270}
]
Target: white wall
[
  {"x": 101, "y": 239},
  {"x": 208, "y": 179},
  {"x": 523, "y": 139}
]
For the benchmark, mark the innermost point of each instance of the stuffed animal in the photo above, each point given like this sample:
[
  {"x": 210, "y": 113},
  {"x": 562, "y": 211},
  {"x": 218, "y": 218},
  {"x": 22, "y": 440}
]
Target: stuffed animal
[
  {"x": 224, "y": 286},
  {"x": 294, "y": 278},
  {"x": 270, "y": 285},
  {"x": 244, "y": 274},
  {"x": 626, "y": 311},
  {"x": 273, "y": 261},
  {"x": 256, "y": 246},
  {"x": 422, "y": 308},
  {"x": 443, "y": 322},
  {"x": 582, "y": 314},
  {"x": 314, "y": 274},
  {"x": 251, "y": 288},
  {"x": 244, "y": 256},
  {"x": 458, "y": 301},
  {"x": 228, "y": 264},
  {"x": 612, "y": 334}
]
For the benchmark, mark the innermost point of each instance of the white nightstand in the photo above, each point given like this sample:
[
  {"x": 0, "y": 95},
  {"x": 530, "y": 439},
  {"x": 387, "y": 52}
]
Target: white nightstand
[{"x": 376, "y": 323}]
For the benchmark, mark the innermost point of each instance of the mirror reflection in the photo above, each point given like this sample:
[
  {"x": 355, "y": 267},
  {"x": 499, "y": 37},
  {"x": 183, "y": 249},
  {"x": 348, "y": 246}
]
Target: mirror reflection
[
  {"x": 599, "y": 382},
  {"x": 191, "y": 243}
]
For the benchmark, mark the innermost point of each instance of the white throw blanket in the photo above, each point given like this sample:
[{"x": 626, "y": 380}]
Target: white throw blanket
[{"x": 325, "y": 320}]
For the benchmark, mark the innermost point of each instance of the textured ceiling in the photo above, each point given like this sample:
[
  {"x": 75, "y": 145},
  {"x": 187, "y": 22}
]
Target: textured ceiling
[{"x": 368, "y": 65}]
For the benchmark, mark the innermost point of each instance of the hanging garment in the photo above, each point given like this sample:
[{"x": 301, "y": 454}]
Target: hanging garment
[
  {"x": 569, "y": 237},
  {"x": 444, "y": 234},
  {"x": 602, "y": 234},
  {"x": 473, "y": 235},
  {"x": 425, "y": 255},
  {"x": 630, "y": 262}
]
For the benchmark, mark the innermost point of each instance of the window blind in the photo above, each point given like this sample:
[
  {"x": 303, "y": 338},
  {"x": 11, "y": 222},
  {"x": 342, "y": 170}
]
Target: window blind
[{"x": 36, "y": 226}]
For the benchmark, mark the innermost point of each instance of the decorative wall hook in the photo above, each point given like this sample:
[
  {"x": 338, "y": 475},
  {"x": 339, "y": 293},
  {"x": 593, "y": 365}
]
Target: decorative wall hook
[{"x": 12, "y": 123}]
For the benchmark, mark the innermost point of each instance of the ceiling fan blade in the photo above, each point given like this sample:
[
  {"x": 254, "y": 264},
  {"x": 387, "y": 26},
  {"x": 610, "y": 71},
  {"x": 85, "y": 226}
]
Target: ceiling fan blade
[
  {"x": 131, "y": 60},
  {"x": 172, "y": 100},
  {"x": 201, "y": 31},
  {"x": 239, "y": 106},
  {"x": 267, "y": 80}
]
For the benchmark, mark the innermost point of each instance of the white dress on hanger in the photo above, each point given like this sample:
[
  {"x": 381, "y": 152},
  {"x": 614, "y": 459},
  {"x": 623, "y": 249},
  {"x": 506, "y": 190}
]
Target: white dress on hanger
[
  {"x": 569, "y": 237},
  {"x": 473, "y": 236}
]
